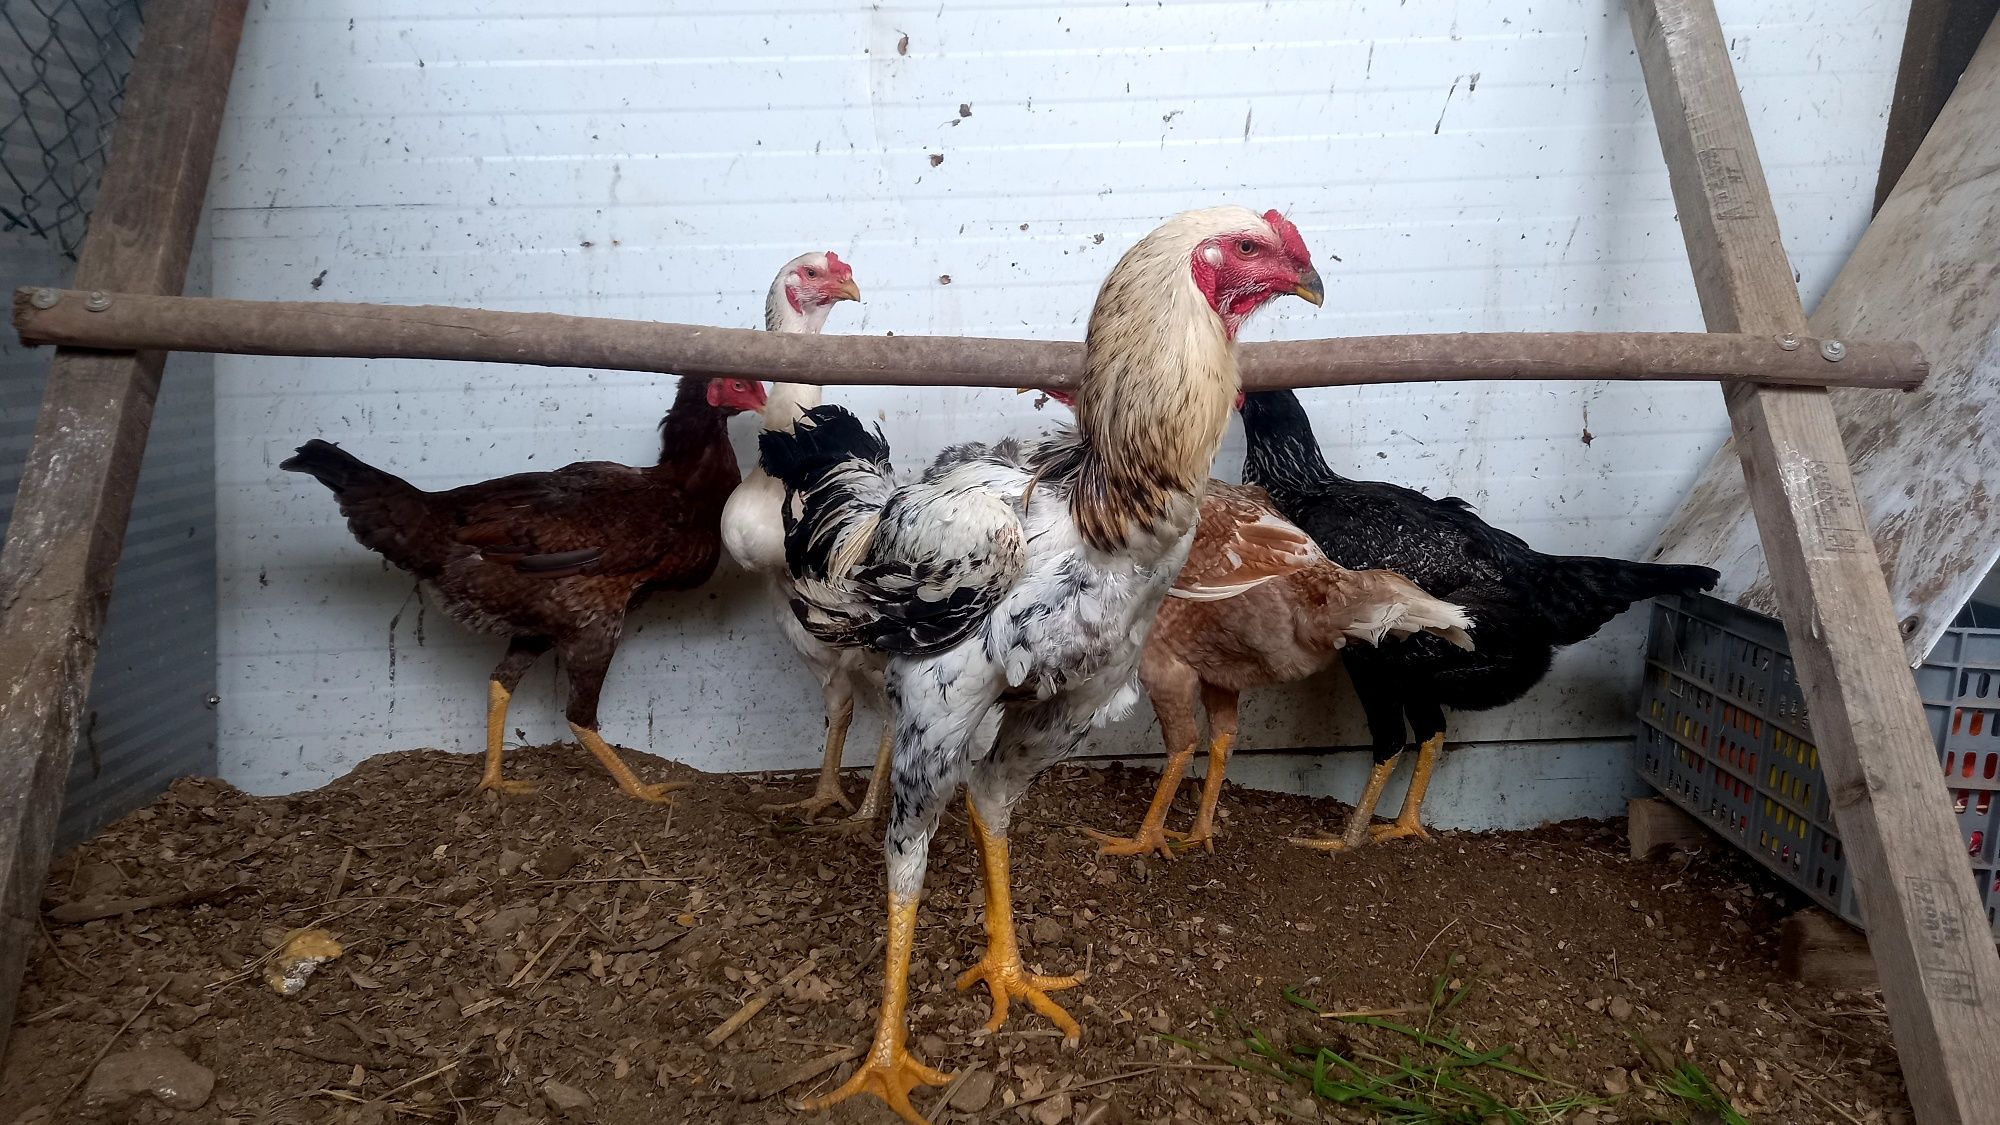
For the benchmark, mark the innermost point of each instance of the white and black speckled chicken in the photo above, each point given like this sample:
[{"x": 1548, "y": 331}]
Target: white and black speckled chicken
[
  {"x": 1524, "y": 603},
  {"x": 1025, "y": 578},
  {"x": 753, "y": 530}
]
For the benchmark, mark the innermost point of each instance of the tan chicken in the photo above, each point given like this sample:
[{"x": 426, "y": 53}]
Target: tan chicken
[{"x": 1230, "y": 628}]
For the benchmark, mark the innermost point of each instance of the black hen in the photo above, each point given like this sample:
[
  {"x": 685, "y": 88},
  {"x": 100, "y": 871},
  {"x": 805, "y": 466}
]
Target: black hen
[{"x": 1523, "y": 603}]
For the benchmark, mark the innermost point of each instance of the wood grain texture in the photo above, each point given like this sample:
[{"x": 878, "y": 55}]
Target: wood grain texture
[
  {"x": 325, "y": 328},
  {"x": 76, "y": 488},
  {"x": 1931, "y": 939},
  {"x": 1938, "y": 45},
  {"x": 1927, "y": 465}
]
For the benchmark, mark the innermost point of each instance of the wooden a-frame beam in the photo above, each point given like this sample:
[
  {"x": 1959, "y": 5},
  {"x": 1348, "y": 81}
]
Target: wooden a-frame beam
[
  {"x": 76, "y": 489},
  {"x": 326, "y": 328},
  {"x": 1927, "y": 927}
]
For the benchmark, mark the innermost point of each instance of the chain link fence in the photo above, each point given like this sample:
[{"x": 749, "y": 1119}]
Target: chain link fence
[{"x": 63, "y": 65}]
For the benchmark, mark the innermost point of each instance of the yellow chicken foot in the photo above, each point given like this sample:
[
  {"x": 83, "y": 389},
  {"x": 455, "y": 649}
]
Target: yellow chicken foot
[
  {"x": 1408, "y": 821},
  {"x": 622, "y": 773},
  {"x": 1356, "y": 833},
  {"x": 827, "y": 793},
  {"x": 1151, "y": 836},
  {"x": 1006, "y": 976},
  {"x": 888, "y": 1071},
  {"x": 1203, "y": 831},
  {"x": 497, "y": 698}
]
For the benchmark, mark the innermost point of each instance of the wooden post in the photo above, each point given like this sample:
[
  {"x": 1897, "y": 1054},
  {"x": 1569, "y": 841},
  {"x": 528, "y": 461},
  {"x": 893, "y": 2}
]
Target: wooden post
[
  {"x": 1929, "y": 932},
  {"x": 76, "y": 490}
]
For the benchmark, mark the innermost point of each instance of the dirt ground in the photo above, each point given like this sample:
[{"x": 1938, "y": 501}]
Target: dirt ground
[{"x": 568, "y": 955}]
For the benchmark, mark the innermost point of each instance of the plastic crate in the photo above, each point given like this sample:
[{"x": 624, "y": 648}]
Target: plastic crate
[{"x": 1724, "y": 733}]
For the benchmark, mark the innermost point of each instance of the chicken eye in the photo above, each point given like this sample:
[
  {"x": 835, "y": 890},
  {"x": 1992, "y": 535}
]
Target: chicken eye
[
  {"x": 811, "y": 272},
  {"x": 1247, "y": 247}
]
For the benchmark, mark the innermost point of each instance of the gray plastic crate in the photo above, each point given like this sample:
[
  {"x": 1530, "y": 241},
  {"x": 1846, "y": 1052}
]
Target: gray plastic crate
[{"x": 1724, "y": 733}]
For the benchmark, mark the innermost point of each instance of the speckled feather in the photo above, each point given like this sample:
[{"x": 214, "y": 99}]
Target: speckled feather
[{"x": 1022, "y": 578}]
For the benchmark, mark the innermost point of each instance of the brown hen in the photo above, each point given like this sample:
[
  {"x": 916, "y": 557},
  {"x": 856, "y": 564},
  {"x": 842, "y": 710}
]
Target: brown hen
[
  {"x": 556, "y": 559},
  {"x": 1256, "y": 605}
]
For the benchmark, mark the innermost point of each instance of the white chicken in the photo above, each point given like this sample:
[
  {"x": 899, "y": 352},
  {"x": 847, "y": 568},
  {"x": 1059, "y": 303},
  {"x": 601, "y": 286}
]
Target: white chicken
[
  {"x": 1023, "y": 579},
  {"x": 753, "y": 531}
]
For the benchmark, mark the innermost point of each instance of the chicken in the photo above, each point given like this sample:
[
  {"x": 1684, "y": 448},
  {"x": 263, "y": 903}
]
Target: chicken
[
  {"x": 1275, "y": 622},
  {"x": 1525, "y": 603},
  {"x": 1023, "y": 578},
  {"x": 555, "y": 559},
  {"x": 753, "y": 531}
]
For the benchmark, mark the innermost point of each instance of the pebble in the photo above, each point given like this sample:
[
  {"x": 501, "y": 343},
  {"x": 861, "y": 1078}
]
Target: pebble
[
  {"x": 1620, "y": 1009},
  {"x": 163, "y": 1072},
  {"x": 558, "y": 861},
  {"x": 565, "y": 1099},
  {"x": 972, "y": 1096}
]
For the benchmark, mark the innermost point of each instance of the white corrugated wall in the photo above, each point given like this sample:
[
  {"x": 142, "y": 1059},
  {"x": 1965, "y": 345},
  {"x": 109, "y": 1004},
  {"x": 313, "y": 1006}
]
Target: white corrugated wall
[{"x": 1474, "y": 166}]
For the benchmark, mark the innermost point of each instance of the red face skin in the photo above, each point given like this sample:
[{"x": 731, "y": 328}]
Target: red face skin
[
  {"x": 1239, "y": 272},
  {"x": 736, "y": 395},
  {"x": 812, "y": 286}
]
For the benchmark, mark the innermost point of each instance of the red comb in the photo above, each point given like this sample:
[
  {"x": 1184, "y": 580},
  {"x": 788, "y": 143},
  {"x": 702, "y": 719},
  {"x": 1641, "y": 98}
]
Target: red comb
[
  {"x": 838, "y": 268},
  {"x": 1288, "y": 236}
]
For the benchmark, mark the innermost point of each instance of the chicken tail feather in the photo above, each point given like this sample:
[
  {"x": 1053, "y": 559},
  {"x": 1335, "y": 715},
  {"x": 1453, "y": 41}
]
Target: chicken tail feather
[{"x": 1398, "y": 607}]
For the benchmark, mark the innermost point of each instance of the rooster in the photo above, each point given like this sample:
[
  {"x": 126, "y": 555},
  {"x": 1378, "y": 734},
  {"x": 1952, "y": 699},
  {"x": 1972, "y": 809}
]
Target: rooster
[
  {"x": 555, "y": 559},
  {"x": 1526, "y": 603},
  {"x": 753, "y": 530},
  {"x": 1023, "y": 578},
  {"x": 1282, "y": 613}
]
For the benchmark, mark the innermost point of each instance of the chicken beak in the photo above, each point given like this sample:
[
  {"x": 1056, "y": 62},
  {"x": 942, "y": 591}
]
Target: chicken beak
[
  {"x": 848, "y": 291},
  {"x": 1309, "y": 287}
]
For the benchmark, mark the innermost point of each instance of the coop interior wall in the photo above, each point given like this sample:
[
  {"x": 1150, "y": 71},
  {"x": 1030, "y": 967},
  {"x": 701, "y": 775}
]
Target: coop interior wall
[{"x": 1474, "y": 167}]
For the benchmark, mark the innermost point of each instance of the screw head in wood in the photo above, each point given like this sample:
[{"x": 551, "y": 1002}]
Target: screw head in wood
[
  {"x": 98, "y": 301},
  {"x": 1788, "y": 342},
  {"x": 1833, "y": 351},
  {"x": 44, "y": 298}
]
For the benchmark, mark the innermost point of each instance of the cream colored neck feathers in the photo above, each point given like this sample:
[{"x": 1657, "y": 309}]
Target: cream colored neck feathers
[
  {"x": 790, "y": 400},
  {"x": 1159, "y": 381}
]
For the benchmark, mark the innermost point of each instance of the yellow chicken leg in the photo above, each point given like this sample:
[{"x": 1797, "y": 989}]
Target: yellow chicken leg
[
  {"x": 1408, "y": 821},
  {"x": 1203, "y": 831},
  {"x": 888, "y": 1071},
  {"x": 1356, "y": 833},
  {"x": 1006, "y": 977},
  {"x": 622, "y": 773},
  {"x": 497, "y": 698},
  {"x": 1151, "y": 836}
]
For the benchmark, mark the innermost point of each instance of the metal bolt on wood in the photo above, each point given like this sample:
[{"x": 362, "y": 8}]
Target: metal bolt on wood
[
  {"x": 1833, "y": 351},
  {"x": 45, "y": 298},
  {"x": 98, "y": 301},
  {"x": 1789, "y": 342}
]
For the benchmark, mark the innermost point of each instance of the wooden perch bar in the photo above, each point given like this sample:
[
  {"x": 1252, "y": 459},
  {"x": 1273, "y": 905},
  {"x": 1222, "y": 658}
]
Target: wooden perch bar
[{"x": 127, "y": 321}]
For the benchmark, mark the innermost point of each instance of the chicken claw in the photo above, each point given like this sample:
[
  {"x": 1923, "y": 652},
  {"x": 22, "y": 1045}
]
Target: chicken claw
[
  {"x": 1200, "y": 834},
  {"x": 811, "y": 807},
  {"x": 1148, "y": 840},
  {"x": 656, "y": 793},
  {"x": 511, "y": 787},
  {"x": 1008, "y": 979},
  {"x": 890, "y": 1075},
  {"x": 1397, "y": 831}
]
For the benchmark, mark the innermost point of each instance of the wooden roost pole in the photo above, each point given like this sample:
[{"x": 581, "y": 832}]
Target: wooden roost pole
[
  {"x": 1927, "y": 926},
  {"x": 76, "y": 488}
]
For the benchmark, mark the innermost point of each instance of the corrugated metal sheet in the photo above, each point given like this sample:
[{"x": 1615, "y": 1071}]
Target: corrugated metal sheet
[
  {"x": 1475, "y": 166},
  {"x": 150, "y": 719}
]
